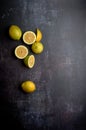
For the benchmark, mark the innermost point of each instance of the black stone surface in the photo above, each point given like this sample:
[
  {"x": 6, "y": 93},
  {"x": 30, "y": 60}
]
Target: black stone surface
[{"x": 59, "y": 103}]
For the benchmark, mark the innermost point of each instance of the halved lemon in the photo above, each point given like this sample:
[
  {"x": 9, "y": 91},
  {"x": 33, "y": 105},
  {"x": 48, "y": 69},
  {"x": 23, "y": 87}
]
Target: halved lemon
[
  {"x": 29, "y": 37},
  {"x": 38, "y": 35},
  {"x": 29, "y": 61},
  {"x": 21, "y": 52}
]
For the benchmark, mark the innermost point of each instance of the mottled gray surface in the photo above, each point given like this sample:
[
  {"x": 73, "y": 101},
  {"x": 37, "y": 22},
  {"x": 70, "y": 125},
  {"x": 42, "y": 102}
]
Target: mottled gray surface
[{"x": 59, "y": 73}]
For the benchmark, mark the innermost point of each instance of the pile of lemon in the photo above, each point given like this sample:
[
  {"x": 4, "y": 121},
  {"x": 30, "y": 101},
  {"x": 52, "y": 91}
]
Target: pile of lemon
[{"x": 22, "y": 52}]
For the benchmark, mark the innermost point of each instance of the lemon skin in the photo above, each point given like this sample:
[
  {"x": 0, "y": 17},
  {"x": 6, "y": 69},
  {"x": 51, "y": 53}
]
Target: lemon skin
[
  {"x": 39, "y": 35},
  {"x": 28, "y": 86},
  {"x": 37, "y": 47},
  {"x": 15, "y": 32}
]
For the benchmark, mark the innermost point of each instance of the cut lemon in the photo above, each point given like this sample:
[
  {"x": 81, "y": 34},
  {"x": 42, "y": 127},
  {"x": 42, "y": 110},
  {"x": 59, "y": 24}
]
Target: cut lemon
[
  {"x": 28, "y": 86},
  {"x": 21, "y": 52},
  {"x": 39, "y": 35},
  {"x": 29, "y": 37},
  {"x": 29, "y": 61}
]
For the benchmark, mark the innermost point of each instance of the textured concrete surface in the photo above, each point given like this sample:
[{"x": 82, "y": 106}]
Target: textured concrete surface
[{"x": 59, "y": 73}]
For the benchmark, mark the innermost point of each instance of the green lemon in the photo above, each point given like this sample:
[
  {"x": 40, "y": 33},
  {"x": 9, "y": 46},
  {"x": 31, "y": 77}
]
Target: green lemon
[
  {"x": 37, "y": 47},
  {"x": 29, "y": 61},
  {"x": 28, "y": 86},
  {"x": 15, "y": 32}
]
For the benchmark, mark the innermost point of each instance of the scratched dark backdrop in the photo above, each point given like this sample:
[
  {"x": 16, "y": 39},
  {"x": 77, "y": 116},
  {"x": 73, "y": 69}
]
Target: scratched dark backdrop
[{"x": 59, "y": 103}]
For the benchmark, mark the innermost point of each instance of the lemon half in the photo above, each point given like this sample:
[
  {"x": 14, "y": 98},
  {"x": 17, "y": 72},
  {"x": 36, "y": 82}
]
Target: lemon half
[
  {"x": 21, "y": 52},
  {"x": 29, "y": 61},
  {"x": 29, "y": 37},
  {"x": 38, "y": 35}
]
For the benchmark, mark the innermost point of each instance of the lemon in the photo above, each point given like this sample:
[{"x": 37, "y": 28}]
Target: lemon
[
  {"x": 15, "y": 32},
  {"x": 29, "y": 61},
  {"x": 28, "y": 86},
  {"x": 29, "y": 37},
  {"x": 21, "y": 52},
  {"x": 37, "y": 47},
  {"x": 38, "y": 35}
]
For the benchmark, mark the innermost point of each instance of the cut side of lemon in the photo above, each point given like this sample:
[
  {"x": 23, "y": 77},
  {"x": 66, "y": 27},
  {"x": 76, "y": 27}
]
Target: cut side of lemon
[
  {"x": 28, "y": 86},
  {"x": 29, "y": 37},
  {"x": 21, "y": 52},
  {"x": 38, "y": 35},
  {"x": 29, "y": 61}
]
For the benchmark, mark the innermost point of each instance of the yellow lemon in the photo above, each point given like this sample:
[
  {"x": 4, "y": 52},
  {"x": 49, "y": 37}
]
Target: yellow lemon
[
  {"x": 37, "y": 47},
  {"x": 29, "y": 37},
  {"x": 15, "y": 32},
  {"x": 38, "y": 35},
  {"x": 28, "y": 86},
  {"x": 21, "y": 52},
  {"x": 29, "y": 61}
]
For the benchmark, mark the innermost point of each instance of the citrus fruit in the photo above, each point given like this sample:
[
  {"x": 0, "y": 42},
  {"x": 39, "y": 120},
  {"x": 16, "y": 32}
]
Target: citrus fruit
[
  {"x": 29, "y": 37},
  {"x": 38, "y": 35},
  {"x": 29, "y": 61},
  {"x": 37, "y": 47},
  {"x": 21, "y": 52},
  {"x": 28, "y": 86},
  {"x": 15, "y": 32}
]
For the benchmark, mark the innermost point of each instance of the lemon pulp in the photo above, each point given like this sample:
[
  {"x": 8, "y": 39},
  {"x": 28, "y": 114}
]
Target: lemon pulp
[
  {"x": 21, "y": 51},
  {"x": 37, "y": 47},
  {"x": 29, "y": 61},
  {"x": 29, "y": 37}
]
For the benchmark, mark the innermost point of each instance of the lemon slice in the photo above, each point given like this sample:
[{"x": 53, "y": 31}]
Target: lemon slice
[
  {"x": 38, "y": 35},
  {"x": 21, "y": 52},
  {"x": 29, "y": 37},
  {"x": 28, "y": 86},
  {"x": 29, "y": 61}
]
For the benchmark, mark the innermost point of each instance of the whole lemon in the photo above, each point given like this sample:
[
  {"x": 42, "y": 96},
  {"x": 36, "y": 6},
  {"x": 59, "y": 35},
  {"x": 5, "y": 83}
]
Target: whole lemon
[
  {"x": 15, "y": 32},
  {"x": 37, "y": 47},
  {"x": 28, "y": 86}
]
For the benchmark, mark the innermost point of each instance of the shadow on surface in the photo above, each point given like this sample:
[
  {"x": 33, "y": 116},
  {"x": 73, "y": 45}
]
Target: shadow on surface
[{"x": 7, "y": 120}]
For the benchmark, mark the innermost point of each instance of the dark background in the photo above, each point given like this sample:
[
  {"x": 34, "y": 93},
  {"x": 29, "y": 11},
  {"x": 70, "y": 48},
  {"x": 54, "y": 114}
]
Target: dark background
[{"x": 59, "y": 103}]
